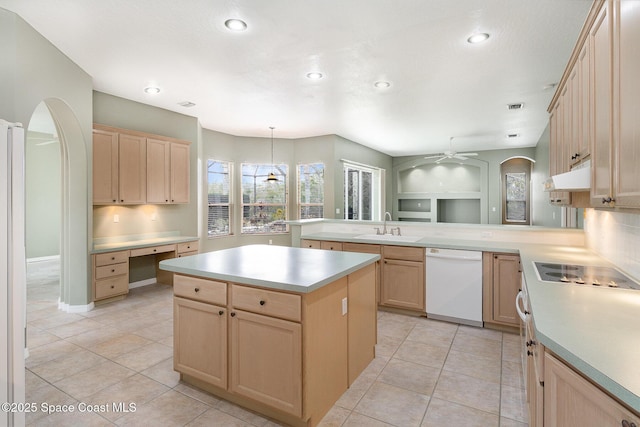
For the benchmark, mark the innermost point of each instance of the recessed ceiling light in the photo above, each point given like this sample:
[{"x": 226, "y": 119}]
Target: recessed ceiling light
[
  {"x": 478, "y": 38},
  {"x": 235, "y": 24},
  {"x": 382, "y": 84},
  {"x": 314, "y": 76},
  {"x": 187, "y": 104},
  {"x": 152, "y": 90}
]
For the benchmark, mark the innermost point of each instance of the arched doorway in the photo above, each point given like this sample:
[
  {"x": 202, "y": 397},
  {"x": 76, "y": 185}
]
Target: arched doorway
[{"x": 74, "y": 221}]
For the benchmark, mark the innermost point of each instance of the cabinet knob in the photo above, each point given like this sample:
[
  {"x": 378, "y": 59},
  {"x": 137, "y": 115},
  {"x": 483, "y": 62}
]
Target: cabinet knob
[
  {"x": 626, "y": 423},
  {"x": 262, "y": 302},
  {"x": 121, "y": 200},
  {"x": 113, "y": 287},
  {"x": 113, "y": 258},
  {"x": 197, "y": 289},
  {"x": 529, "y": 353},
  {"x": 221, "y": 312},
  {"x": 113, "y": 270},
  {"x": 154, "y": 250},
  {"x": 233, "y": 315},
  {"x": 114, "y": 200}
]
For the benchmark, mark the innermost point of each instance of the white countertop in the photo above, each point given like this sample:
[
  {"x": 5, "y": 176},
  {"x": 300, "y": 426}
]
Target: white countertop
[
  {"x": 270, "y": 266},
  {"x": 597, "y": 330},
  {"x": 136, "y": 243}
]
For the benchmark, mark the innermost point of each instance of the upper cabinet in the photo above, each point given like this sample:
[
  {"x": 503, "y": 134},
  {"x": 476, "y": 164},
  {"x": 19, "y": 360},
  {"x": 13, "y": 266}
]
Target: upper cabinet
[
  {"x": 167, "y": 172},
  {"x": 600, "y": 95},
  {"x": 132, "y": 167}
]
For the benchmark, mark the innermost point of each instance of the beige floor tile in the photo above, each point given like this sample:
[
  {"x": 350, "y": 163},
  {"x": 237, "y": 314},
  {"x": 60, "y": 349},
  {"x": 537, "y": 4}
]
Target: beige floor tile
[
  {"x": 168, "y": 341},
  {"x": 512, "y": 374},
  {"x": 86, "y": 418},
  {"x": 335, "y": 417},
  {"x": 423, "y": 354},
  {"x": 37, "y": 337},
  {"x": 134, "y": 323},
  {"x": 163, "y": 373},
  {"x": 359, "y": 420},
  {"x": 145, "y": 357},
  {"x": 119, "y": 345},
  {"x": 506, "y": 422},
  {"x": 433, "y": 332},
  {"x": 48, "y": 352},
  {"x": 442, "y": 413},
  {"x": 479, "y": 346},
  {"x": 95, "y": 336},
  {"x": 468, "y": 391},
  {"x": 473, "y": 331},
  {"x": 49, "y": 395},
  {"x": 485, "y": 368},
  {"x": 354, "y": 393},
  {"x": 241, "y": 413},
  {"x": 513, "y": 403},
  {"x": 158, "y": 331},
  {"x": 55, "y": 320},
  {"x": 394, "y": 327},
  {"x": 393, "y": 405},
  {"x": 168, "y": 409},
  {"x": 33, "y": 382},
  {"x": 94, "y": 379},
  {"x": 196, "y": 393},
  {"x": 216, "y": 418},
  {"x": 75, "y": 362},
  {"x": 387, "y": 345},
  {"x": 511, "y": 350},
  {"x": 136, "y": 389},
  {"x": 75, "y": 328},
  {"x": 410, "y": 376}
]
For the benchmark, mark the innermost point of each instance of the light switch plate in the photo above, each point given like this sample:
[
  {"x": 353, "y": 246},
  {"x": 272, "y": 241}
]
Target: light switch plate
[
  {"x": 344, "y": 306},
  {"x": 116, "y": 218}
]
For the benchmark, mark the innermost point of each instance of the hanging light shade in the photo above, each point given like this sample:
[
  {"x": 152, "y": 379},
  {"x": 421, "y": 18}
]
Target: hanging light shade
[{"x": 272, "y": 176}]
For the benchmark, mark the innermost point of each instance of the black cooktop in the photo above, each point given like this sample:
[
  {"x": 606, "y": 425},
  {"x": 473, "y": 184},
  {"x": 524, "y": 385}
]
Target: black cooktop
[{"x": 605, "y": 277}]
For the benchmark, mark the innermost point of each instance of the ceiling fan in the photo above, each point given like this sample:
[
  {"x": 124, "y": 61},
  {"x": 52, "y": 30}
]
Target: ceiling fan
[{"x": 451, "y": 154}]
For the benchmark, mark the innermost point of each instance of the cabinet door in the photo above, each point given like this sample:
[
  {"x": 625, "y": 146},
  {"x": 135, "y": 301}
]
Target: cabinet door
[
  {"x": 573, "y": 117},
  {"x": 402, "y": 284},
  {"x": 132, "y": 163},
  {"x": 601, "y": 139},
  {"x": 200, "y": 341},
  {"x": 506, "y": 284},
  {"x": 584, "y": 69},
  {"x": 179, "y": 173},
  {"x": 570, "y": 400},
  {"x": 266, "y": 360},
  {"x": 556, "y": 156},
  {"x": 105, "y": 167},
  {"x": 158, "y": 158},
  {"x": 626, "y": 170},
  {"x": 331, "y": 246}
]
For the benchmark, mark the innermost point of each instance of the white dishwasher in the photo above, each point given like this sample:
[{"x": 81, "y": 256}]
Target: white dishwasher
[{"x": 454, "y": 285}]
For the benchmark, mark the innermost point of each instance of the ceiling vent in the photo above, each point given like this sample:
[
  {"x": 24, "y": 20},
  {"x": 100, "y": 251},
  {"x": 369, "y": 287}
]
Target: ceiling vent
[
  {"x": 187, "y": 104},
  {"x": 516, "y": 106},
  {"x": 513, "y": 135}
]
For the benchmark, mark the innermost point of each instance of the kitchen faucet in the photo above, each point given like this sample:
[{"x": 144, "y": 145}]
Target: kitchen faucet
[{"x": 384, "y": 226}]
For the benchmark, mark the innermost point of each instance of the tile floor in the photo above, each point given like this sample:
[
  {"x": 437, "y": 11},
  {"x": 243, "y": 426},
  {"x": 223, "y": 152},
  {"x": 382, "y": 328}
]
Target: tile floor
[{"x": 426, "y": 373}]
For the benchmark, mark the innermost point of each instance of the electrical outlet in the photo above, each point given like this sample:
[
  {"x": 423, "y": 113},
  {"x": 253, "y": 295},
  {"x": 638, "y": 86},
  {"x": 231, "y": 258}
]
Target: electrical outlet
[
  {"x": 338, "y": 211},
  {"x": 270, "y": 242},
  {"x": 116, "y": 218},
  {"x": 154, "y": 216},
  {"x": 344, "y": 306}
]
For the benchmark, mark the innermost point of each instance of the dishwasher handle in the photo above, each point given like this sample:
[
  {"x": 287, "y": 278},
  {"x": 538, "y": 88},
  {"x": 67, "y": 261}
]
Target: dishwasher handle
[
  {"x": 473, "y": 257},
  {"x": 521, "y": 313}
]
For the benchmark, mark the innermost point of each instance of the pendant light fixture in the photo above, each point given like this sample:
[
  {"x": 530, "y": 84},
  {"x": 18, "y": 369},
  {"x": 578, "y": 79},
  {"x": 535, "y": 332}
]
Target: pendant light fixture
[{"x": 272, "y": 176}]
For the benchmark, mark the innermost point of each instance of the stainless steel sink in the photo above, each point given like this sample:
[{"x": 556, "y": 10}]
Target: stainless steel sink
[{"x": 388, "y": 237}]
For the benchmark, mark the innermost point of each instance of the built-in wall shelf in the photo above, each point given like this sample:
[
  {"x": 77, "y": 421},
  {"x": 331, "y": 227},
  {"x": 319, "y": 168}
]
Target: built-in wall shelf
[{"x": 441, "y": 192}]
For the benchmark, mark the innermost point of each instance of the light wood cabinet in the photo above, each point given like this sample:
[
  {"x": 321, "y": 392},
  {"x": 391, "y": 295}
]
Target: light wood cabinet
[
  {"x": 119, "y": 173},
  {"x": 402, "y": 283},
  {"x": 501, "y": 283},
  {"x": 571, "y": 400},
  {"x": 131, "y": 167},
  {"x": 187, "y": 249},
  {"x": 557, "y": 126},
  {"x": 289, "y": 356},
  {"x": 200, "y": 340},
  {"x": 367, "y": 248},
  {"x": 331, "y": 246},
  {"x": 110, "y": 274},
  {"x": 167, "y": 172},
  {"x": 312, "y": 244}
]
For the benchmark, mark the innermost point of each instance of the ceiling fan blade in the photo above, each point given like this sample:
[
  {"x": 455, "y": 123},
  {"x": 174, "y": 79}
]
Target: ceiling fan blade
[
  {"x": 434, "y": 156},
  {"x": 468, "y": 154},
  {"x": 445, "y": 157},
  {"x": 460, "y": 157},
  {"x": 47, "y": 142}
]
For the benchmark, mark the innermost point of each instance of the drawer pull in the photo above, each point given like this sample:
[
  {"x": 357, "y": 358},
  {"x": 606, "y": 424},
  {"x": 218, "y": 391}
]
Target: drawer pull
[
  {"x": 196, "y": 290},
  {"x": 155, "y": 250},
  {"x": 113, "y": 258},
  {"x": 113, "y": 270},
  {"x": 529, "y": 353},
  {"x": 233, "y": 315},
  {"x": 113, "y": 287},
  {"x": 262, "y": 302},
  {"x": 221, "y": 312}
]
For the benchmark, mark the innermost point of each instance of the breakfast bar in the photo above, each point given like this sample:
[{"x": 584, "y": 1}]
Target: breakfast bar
[{"x": 282, "y": 331}]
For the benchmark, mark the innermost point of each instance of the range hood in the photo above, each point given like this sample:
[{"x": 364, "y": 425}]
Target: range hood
[{"x": 578, "y": 179}]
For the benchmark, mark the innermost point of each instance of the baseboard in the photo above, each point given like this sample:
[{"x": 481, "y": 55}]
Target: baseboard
[
  {"x": 144, "y": 282},
  {"x": 75, "y": 308},
  {"x": 43, "y": 258}
]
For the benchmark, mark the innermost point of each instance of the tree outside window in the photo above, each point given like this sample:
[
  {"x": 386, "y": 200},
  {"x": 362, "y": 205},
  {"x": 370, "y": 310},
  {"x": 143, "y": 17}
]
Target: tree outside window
[
  {"x": 311, "y": 190},
  {"x": 219, "y": 198},
  {"x": 264, "y": 203}
]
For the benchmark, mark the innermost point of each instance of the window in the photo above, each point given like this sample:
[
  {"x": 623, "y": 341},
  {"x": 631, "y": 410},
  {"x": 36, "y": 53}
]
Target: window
[
  {"x": 219, "y": 198},
  {"x": 362, "y": 192},
  {"x": 264, "y": 204},
  {"x": 516, "y": 174},
  {"x": 311, "y": 190}
]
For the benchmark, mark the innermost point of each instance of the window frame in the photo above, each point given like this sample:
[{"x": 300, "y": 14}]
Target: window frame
[
  {"x": 281, "y": 170},
  {"x": 516, "y": 165},
  {"x": 300, "y": 204},
  {"x": 377, "y": 189},
  {"x": 229, "y": 204}
]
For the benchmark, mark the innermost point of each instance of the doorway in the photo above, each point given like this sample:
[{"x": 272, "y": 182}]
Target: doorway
[{"x": 515, "y": 179}]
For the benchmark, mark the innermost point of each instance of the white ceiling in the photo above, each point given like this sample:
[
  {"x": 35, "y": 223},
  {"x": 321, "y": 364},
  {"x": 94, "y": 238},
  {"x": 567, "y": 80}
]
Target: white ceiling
[{"x": 242, "y": 83}]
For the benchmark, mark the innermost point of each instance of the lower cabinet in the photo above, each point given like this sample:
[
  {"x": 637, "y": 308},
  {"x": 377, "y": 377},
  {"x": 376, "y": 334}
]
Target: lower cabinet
[
  {"x": 402, "y": 283},
  {"x": 571, "y": 400},
  {"x": 501, "y": 283}
]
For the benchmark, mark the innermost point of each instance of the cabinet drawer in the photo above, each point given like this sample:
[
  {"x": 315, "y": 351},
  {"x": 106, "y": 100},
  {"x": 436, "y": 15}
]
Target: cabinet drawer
[
  {"x": 111, "y": 258},
  {"x": 180, "y": 255},
  {"x": 365, "y": 248},
  {"x": 313, "y": 244},
  {"x": 152, "y": 250},
  {"x": 111, "y": 287},
  {"x": 270, "y": 303},
  {"x": 204, "y": 290},
  {"x": 331, "y": 246},
  {"x": 111, "y": 270},
  {"x": 403, "y": 252},
  {"x": 187, "y": 247}
]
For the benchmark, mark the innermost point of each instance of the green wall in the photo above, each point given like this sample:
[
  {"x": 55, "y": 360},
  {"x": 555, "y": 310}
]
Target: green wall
[{"x": 544, "y": 213}]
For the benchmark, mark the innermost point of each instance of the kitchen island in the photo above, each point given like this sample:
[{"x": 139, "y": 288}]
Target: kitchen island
[{"x": 282, "y": 331}]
